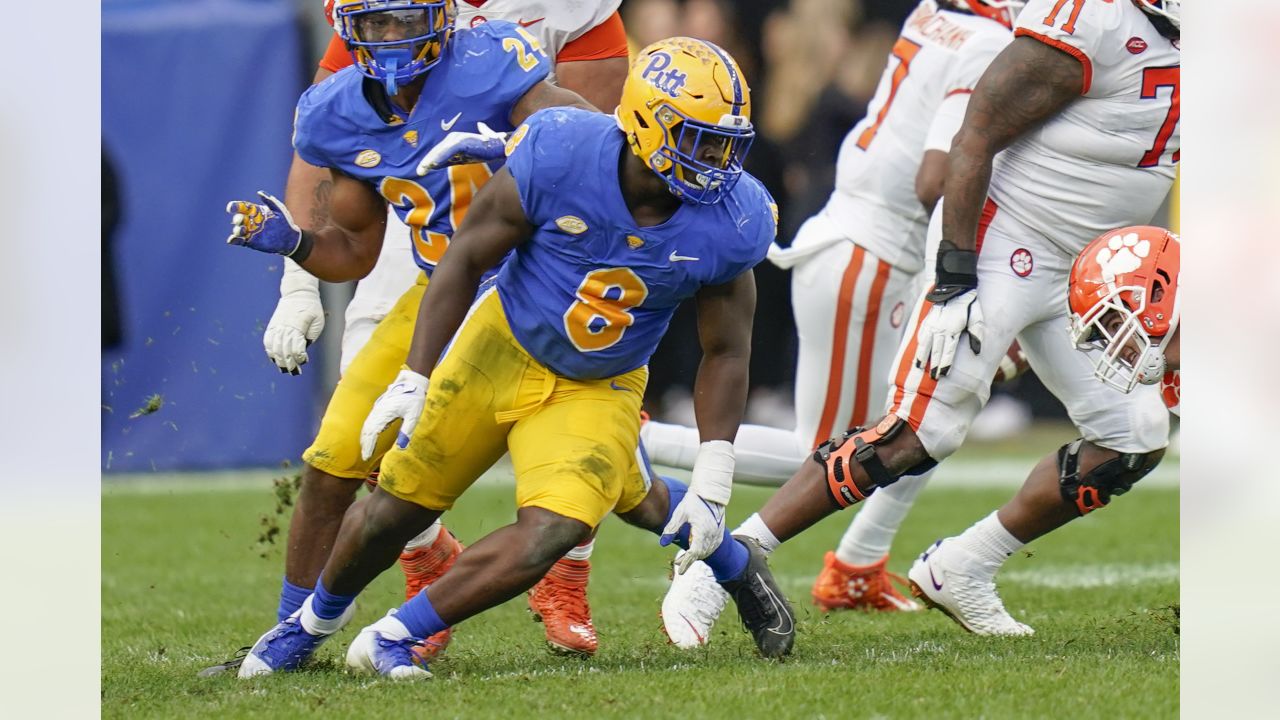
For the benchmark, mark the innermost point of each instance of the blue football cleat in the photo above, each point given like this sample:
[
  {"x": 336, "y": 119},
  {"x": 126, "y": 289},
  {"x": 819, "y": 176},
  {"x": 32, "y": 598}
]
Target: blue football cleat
[
  {"x": 386, "y": 648},
  {"x": 287, "y": 645}
]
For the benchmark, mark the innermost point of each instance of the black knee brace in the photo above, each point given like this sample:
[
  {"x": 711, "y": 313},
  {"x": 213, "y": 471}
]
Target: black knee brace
[
  {"x": 1113, "y": 477},
  {"x": 859, "y": 446}
]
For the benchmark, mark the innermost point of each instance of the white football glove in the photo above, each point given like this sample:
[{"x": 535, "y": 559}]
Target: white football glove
[
  {"x": 403, "y": 400},
  {"x": 297, "y": 321},
  {"x": 460, "y": 148},
  {"x": 702, "y": 508},
  {"x": 940, "y": 332}
]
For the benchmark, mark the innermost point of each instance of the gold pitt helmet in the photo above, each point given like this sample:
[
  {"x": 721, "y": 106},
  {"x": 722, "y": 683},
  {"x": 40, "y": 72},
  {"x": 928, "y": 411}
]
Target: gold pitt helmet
[
  {"x": 394, "y": 41},
  {"x": 686, "y": 112}
]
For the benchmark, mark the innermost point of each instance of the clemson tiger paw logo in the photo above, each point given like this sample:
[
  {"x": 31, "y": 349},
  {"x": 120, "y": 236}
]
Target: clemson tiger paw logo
[{"x": 1122, "y": 254}]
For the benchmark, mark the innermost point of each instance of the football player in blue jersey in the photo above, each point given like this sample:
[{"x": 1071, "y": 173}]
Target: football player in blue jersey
[
  {"x": 416, "y": 79},
  {"x": 607, "y": 225}
]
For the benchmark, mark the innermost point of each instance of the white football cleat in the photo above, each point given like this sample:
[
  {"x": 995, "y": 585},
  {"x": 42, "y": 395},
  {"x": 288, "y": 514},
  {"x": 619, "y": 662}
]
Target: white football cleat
[
  {"x": 948, "y": 578},
  {"x": 386, "y": 648},
  {"x": 692, "y": 605}
]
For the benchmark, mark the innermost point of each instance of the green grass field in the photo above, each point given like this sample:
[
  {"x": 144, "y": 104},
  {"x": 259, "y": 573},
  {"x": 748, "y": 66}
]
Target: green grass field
[{"x": 185, "y": 581}]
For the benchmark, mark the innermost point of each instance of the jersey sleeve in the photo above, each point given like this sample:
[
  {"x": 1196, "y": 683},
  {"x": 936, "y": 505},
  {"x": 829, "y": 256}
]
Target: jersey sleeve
[
  {"x": 537, "y": 157},
  {"x": 336, "y": 56},
  {"x": 604, "y": 41},
  {"x": 974, "y": 58},
  {"x": 306, "y": 130},
  {"x": 1076, "y": 27},
  {"x": 497, "y": 61}
]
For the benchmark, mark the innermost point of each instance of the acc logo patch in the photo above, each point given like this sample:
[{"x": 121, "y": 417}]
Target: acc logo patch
[
  {"x": 1136, "y": 45},
  {"x": 515, "y": 139},
  {"x": 1022, "y": 262},
  {"x": 635, "y": 242},
  {"x": 571, "y": 224},
  {"x": 368, "y": 159},
  {"x": 411, "y": 137}
]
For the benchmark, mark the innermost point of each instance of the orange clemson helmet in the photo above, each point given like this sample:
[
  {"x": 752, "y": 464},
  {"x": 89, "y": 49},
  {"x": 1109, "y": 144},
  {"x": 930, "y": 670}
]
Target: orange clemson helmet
[{"x": 1123, "y": 297}]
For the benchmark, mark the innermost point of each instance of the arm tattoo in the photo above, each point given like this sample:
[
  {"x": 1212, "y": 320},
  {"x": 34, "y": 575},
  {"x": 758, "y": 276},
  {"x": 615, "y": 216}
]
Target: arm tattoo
[
  {"x": 1027, "y": 84},
  {"x": 320, "y": 208}
]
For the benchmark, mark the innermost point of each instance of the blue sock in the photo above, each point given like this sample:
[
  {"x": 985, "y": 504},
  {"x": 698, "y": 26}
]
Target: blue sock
[
  {"x": 420, "y": 617},
  {"x": 729, "y": 560},
  {"x": 328, "y": 606},
  {"x": 291, "y": 598}
]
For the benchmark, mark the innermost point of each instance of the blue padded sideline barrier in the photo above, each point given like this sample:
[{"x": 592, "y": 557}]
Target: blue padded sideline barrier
[{"x": 197, "y": 109}]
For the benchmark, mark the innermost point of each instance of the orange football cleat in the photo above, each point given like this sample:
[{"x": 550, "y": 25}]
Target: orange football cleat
[
  {"x": 860, "y": 587},
  {"x": 423, "y": 566},
  {"x": 559, "y": 601}
]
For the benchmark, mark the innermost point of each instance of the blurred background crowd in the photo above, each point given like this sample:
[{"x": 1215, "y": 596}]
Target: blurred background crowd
[{"x": 191, "y": 116}]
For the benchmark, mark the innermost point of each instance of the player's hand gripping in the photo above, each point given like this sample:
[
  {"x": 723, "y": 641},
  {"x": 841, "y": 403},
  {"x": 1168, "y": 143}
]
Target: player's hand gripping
[
  {"x": 267, "y": 227},
  {"x": 955, "y": 311},
  {"x": 702, "y": 509},
  {"x": 460, "y": 147},
  {"x": 403, "y": 400},
  {"x": 297, "y": 321}
]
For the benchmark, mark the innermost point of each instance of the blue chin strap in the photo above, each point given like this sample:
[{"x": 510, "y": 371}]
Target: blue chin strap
[{"x": 390, "y": 60}]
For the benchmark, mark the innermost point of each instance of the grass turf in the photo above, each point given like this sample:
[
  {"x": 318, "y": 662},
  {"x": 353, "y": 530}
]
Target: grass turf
[{"x": 186, "y": 580}]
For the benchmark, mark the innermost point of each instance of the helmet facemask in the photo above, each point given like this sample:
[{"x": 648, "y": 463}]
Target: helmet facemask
[
  {"x": 701, "y": 162},
  {"x": 1125, "y": 354},
  {"x": 395, "y": 41},
  {"x": 1170, "y": 10}
]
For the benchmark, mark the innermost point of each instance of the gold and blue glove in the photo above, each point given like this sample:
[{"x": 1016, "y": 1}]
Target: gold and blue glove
[{"x": 267, "y": 227}]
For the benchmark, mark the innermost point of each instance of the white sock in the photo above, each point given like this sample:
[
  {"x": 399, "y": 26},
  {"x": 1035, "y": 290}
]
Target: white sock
[
  {"x": 671, "y": 445},
  {"x": 315, "y": 624},
  {"x": 871, "y": 533},
  {"x": 753, "y": 527},
  {"x": 583, "y": 551},
  {"x": 989, "y": 542},
  {"x": 426, "y": 537},
  {"x": 391, "y": 627}
]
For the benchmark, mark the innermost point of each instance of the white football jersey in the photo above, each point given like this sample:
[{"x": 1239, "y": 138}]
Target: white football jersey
[
  {"x": 555, "y": 23},
  {"x": 1107, "y": 160},
  {"x": 918, "y": 105}
]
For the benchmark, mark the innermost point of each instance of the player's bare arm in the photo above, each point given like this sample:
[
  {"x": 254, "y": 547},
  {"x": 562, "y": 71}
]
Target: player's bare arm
[
  {"x": 546, "y": 95},
  {"x": 599, "y": 82},
  {"x": 1028, "y": 83},
  {"x": 725, "y": 315},
  {"x": 494, "y": 225},
  {"x": 931, "y": 178},
  {"x": 347, "y": 246}
]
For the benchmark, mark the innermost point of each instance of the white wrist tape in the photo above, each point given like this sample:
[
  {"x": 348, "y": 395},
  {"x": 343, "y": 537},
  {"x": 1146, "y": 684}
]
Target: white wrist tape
[
  {"x": 713, "y": 471},
  {"x": 295, "y": 279}
]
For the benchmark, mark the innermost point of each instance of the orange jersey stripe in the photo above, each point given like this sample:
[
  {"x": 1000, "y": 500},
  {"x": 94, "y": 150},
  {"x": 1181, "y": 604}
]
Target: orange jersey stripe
[
  {"x": 1074, "y": 52},
  {"x": 606, "y": 40},
  {"x": 862, "y": 399},
  {"x": 840, "y": 333}
]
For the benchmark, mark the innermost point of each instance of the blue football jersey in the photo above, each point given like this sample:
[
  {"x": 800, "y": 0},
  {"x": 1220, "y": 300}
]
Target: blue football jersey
[
  {"x": 346, "y": 122},
  {"x": 591, "y": 293}
]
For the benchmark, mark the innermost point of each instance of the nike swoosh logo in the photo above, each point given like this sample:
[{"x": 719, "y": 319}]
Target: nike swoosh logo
[
  {"x": 694, "y": 629},
  {"x": 782, "y": 628},
  {"x": 617, "y": 387},
  {"x": 446, "y": 126},
  {"x": 527, "y": 23},
  {"x": 677, "y": 257},
  {"x": 936, "y": 585}
]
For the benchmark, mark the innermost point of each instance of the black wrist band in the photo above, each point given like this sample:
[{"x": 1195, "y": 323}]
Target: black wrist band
[
  {"x": 305, "y": 244},
  {"x": 956, "y": 272}
]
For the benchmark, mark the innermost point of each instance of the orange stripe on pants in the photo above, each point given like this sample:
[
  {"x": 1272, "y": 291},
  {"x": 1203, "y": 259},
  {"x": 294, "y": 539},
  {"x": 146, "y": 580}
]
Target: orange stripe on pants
[
  {"x": 869, "y": 324},
  {"x": 840, "y": 333}
]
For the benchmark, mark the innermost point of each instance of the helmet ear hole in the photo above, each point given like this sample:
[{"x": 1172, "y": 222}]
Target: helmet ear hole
[{"x": 640, "y": 120}]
